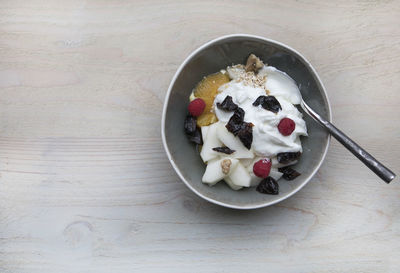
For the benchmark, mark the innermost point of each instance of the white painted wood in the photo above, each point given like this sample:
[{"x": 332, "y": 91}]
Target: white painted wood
[{"x": 85, "y": 185}]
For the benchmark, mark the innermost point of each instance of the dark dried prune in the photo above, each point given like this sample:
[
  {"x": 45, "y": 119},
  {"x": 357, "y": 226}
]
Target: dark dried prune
[
  {"x": 269, "y": 103},
  {"x": 286, "y": 158},
  {"x": 192, "y": 131},
  {"x": 289, "y": 173},
  {"x": 235, "y": 122},
  {"x": 227, "y": 104},
  {"x": 196, "y": 136},
  {"x": 259, "y": 101},
  {"x": 239, "y": 113},
  {"x": 269, "y": 186},
  {"x": 272, "y": 104},
  {"x": 245, "y": 134},
  {"x": 238, "y": 127},
  {"x": 190, "y": 125},
  {"x": 224, "y": 150}
]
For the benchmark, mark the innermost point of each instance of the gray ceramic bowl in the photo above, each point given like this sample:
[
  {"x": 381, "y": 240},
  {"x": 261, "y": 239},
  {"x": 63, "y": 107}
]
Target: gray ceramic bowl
[{"x": 210, "y": 58}]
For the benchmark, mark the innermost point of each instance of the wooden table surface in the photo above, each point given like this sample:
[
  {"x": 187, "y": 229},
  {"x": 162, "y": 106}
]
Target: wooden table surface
[{"x": 85, "y": 185}]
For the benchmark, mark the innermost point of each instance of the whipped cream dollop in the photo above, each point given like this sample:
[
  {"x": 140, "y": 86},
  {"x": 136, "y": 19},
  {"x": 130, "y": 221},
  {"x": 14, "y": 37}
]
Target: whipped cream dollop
[{"x": 267, "y": 140}]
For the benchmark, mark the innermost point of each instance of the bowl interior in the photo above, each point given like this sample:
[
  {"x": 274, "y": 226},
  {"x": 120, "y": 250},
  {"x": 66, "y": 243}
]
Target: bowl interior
[{"x": 211, "y": 58}]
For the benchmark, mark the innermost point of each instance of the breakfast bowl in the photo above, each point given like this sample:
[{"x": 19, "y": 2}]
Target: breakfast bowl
[{"x": 212, "y": 57}]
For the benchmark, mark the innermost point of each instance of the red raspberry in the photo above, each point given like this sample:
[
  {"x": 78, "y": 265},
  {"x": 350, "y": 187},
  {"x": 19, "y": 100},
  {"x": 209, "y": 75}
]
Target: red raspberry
[
  {"x": 286, "y": 126},
  {"x": 262, "y": 167},
  {"x": 196, "y": 107}
]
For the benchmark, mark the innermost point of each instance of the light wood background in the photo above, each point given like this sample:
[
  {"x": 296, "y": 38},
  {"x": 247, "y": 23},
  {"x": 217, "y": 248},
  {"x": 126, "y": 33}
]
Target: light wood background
[{"x": 85, "y": 185}]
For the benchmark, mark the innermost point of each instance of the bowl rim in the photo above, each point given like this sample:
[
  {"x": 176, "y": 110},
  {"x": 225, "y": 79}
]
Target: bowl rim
[{"x": 166, "y": 100}]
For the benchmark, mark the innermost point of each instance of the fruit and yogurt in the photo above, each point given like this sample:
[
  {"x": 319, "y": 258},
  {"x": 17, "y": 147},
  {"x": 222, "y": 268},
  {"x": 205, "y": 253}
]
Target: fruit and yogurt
[{"x": 247, "y": 126}]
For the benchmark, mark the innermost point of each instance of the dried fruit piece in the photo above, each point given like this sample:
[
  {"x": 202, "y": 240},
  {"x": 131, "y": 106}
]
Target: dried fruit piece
[
  {"x": 224, "y": 150},
  {"x": 245, "y": 134},
  {"x": 190, "y": 125},
  {"x": 207, "y": 89},
  {"x": 238, "y": 127},
  {"x": 196, "y": 137},
  {"x": 234, "y": 143},
  {"x": 289, "y": 173},
  {"x": 286, "y": 158},
  {"x": 227, "y": 104},
  {"x": 262, "y": 167},
  {"x": 269, "y": 103},
  {"x": 196, "y": 107},
  {"x": 286, "y": 126},
  {"x": 253, "y": 63},
  {"x": 268, "y": 186},
  {"x": 259, "y": 101},
  {"x": 235, "y": 122},
  {"x": 192, "y": 131},
  {"x": 226, "y": 165}
]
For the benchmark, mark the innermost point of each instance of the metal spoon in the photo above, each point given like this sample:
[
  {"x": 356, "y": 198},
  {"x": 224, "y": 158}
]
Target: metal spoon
[{"x": 378, "y": 168}]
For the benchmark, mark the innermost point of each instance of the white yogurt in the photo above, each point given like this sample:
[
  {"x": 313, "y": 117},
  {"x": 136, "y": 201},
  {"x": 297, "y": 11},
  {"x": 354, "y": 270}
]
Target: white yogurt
[
  {"x": 281, "y": 84},
  {"x": 267, "y": 140}
]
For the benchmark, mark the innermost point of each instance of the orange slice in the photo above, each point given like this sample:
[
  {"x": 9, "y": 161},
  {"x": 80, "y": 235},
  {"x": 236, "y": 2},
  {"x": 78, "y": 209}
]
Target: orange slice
[{"x": 207, "y": 89}]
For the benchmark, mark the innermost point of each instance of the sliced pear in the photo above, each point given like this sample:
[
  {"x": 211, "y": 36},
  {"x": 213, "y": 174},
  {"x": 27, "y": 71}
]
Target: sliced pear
[
  {"x": 204, "y": 131},
  {"x": 255, "y": 180},
  {"x": 214, "y": 172},
  {"x": 230, "y": 184},
  {"x": 232, "y": 142},
  {"x": 240, "y": 176},
  {"x": 275, "y": 174},
  {"x": 246, "y": 162},
  {"x": 211, "y": 141}
]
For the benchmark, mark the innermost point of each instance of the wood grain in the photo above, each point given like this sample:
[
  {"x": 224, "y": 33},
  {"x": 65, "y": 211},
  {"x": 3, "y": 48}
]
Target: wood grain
[{"x": 85, "y": 185}]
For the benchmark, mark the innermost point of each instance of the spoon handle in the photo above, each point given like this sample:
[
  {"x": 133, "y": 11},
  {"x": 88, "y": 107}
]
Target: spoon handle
[{"x": 377, "y": 167}]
